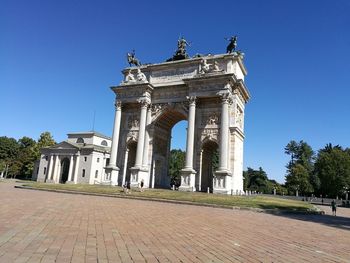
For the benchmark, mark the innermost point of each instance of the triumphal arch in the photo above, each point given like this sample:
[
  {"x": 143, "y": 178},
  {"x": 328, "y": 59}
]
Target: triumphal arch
[{"x": 207, "y": 91}]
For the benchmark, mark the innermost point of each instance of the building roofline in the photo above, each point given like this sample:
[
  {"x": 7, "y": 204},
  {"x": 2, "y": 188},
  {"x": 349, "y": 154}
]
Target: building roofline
[{"x": 92, "y": 133}]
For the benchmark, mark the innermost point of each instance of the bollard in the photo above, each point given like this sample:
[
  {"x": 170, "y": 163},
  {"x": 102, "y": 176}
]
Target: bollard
[
  {"x": 173, "y": 187},
  {"x": 208, "y": 190}
]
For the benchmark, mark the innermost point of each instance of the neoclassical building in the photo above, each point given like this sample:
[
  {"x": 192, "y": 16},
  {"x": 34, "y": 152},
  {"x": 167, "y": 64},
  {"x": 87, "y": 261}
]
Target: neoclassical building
[
  {"x": 82, "y": 158},
  {"x": 209, "y": 92}
]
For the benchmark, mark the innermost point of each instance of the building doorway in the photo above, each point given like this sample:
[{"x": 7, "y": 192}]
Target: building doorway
[{"x": 64, "y": 170}]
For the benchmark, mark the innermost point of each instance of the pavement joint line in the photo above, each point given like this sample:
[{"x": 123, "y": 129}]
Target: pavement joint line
[{"x": 257, "y": 210}]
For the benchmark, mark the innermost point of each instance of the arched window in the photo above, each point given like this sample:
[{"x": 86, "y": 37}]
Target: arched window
[
  {"x": 80, "y": 140},
  {"x": 104, "y": 143}
]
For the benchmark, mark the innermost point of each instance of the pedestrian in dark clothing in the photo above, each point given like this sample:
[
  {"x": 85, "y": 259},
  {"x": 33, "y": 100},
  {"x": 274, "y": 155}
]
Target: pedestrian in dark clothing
[
  {"x": 334, "y": 207},
  {"x": 141, "y": 184}
]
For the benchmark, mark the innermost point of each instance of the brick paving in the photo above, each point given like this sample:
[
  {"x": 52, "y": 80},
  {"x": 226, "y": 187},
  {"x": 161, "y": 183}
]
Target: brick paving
[{"x": 38, "y": 226}]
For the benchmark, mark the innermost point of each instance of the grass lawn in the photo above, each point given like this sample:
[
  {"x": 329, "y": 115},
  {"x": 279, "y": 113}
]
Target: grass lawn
[{"x": 256, "y": 201}]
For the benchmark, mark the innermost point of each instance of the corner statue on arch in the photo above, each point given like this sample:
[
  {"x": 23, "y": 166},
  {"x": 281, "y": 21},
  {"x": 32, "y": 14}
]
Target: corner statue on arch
[{"x": 207, "y": 91}]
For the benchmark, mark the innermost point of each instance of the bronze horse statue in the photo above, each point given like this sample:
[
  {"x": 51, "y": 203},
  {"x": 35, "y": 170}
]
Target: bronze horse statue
[
  {"x": 232, "y": 45},
  {"x": 132, "y": 60}
]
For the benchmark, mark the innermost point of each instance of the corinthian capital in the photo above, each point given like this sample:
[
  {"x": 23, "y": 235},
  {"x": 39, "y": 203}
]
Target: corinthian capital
[
  {"x": 191, "y": 100},
  {"x": 144, "y": 102},
  {"x": 118, "y": 105},
  {"x": 224, "y": 96}
]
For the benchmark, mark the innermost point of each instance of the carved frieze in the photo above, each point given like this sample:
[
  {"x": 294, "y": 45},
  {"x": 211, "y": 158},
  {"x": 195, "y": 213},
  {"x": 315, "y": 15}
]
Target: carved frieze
[
  {"x": 210, "y": 134},
  {"x": 173, "y": 74},
  {"x": 158, "y": 107},
  {"x": 239, "y": 117},
  {"x": 169, "y": 93},
  {"x": 210, "y": 119},
  {"x": 239, "y": 95},
  {"x": 133, "y": 121},
  {"x": 132, "y": 135}
]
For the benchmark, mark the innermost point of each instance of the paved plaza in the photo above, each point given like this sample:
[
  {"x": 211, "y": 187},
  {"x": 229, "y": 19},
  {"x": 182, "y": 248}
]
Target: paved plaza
[{"x": 38, "y": 226}]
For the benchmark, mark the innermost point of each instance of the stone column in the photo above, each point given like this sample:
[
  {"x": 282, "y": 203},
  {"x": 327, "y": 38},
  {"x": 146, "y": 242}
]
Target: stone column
[
  {"x": 190, "y": 132},
  {"x": 113, "y": 169},
  {"x": 153, "y": 173},
  {"x": 55, "y": 169},
  {"x": 49, "y": 170},
  {"x": 141, "y": 138},
  {"x": 188, "y": 173},
  {"x": 125, "y": 165},
  {"x": 76, "y": 167},
  {"x": 115, "y": 137},
  {"x": 70, "y": 172},
  {"x": 146, "y": 144},
  {"x": 224, "y": 132},
  {"x": 200, "y": 171},
  {"x": 222, "y": 179}
]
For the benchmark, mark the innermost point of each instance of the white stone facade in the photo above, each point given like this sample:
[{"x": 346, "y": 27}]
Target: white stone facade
[
  {"x": 82, "y": 158},
  {"x": 210, "y": 93}
]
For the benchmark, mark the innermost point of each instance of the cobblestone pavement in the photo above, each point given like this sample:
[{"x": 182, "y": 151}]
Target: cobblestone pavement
[{"x": 37, "y": 226}]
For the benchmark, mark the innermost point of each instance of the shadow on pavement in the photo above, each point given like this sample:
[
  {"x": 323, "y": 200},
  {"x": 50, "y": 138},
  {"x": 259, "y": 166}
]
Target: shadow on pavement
[{"x": 328, "y": 220}]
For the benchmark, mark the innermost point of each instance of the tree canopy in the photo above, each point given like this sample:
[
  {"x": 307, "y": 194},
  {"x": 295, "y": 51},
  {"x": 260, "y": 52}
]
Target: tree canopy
[
  {"x": 332, "y": 167},
  {"x": 17, "y": 157},
  {"x": 300, "y": 168}
]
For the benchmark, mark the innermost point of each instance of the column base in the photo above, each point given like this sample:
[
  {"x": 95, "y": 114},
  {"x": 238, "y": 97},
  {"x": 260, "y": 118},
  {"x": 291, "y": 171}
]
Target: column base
[
  {"x": 222, "y": 182},
  {"x": 113, "y": 171},
  {"x": 50, "y": 181},
  {"x": 137, "y": 175},
  {"x": 188, "y": 176}
]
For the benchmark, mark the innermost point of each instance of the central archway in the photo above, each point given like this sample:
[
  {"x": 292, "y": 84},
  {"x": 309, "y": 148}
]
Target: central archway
[{"x": 162, "y": 128}]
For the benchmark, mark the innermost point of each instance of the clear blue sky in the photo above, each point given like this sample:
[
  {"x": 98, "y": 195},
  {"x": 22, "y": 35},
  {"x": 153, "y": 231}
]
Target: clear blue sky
[{"x": 59, "y": 58}]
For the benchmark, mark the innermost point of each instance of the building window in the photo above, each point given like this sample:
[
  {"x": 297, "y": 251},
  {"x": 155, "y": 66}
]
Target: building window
[
  {"x": 104, "y": 143},
  {"x": 83, "y": 175},
  {"x": 96, "y": 174},
  {"x": 46, "y": 157},
  {"x": 107, "y": 161},
  {"x": 98, "y": 160},
  {"x": 80, "y": 140},
  {"x": 85, "y": 159},
  {"x": 44, "y": 170}
]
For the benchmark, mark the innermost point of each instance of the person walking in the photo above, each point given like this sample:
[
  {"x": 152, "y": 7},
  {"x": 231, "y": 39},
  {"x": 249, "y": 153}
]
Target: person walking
[
  {"x": 141, "y": 184},
  {"x": 334, "y": 207}
]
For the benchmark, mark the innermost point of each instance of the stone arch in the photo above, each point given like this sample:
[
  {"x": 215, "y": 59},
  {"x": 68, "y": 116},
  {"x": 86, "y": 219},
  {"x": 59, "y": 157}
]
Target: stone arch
[
  {"x": 65, "y": 163},
  {"x": 104, "y": 143},
  {"x": 182, "y": 90},
  {"x": 208, "y": 149},
  {"x": 130, "y": 157},
  {"x": 161, "y": 139}
]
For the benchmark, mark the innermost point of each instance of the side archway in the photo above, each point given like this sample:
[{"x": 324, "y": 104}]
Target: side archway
[{"x": 209, "y": 157}]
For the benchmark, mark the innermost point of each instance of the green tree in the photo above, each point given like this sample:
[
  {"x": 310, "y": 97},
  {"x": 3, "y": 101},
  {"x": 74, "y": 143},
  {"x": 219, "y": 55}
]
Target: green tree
[
  {"x": 332, "y": 167},
  {"x": 45, "y": 140},
  {"x": 215, "y": 160},
  {"x": 298, "y": 179},
  {"x": 176, "y": 163},
  {"x": 300, "y": 175},
  {"x": 9, "y": 149},
  {"x": 26, "y": 156},
  {"x": 256, "y": 180}
]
